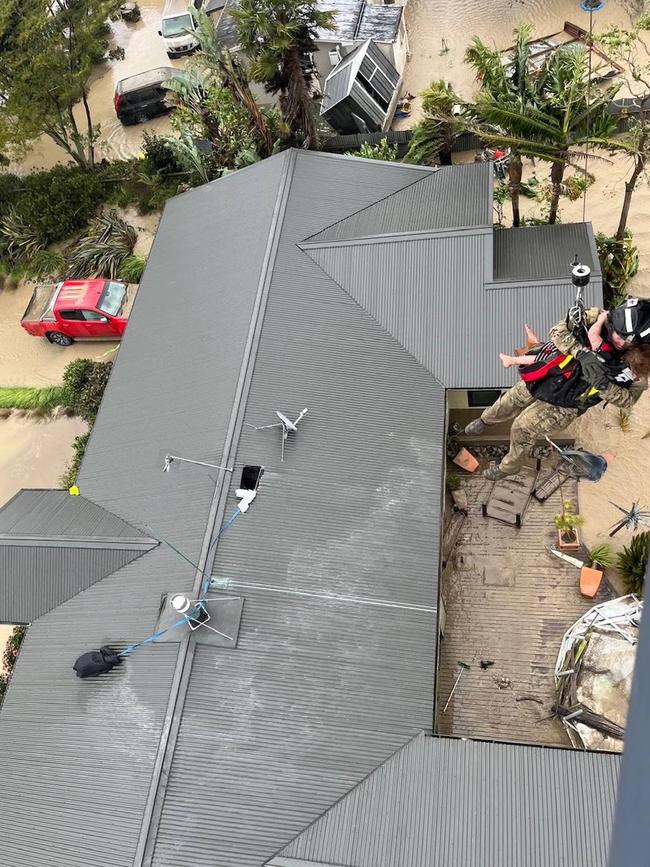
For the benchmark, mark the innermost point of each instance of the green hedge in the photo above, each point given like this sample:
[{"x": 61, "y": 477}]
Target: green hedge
[{"x": 84, "y": 382}]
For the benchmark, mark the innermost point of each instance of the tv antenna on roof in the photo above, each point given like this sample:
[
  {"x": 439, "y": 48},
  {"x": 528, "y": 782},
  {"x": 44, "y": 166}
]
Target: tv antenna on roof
[
  {"x": 170, "y": 459},
  {"x": 285, "y": 423}
]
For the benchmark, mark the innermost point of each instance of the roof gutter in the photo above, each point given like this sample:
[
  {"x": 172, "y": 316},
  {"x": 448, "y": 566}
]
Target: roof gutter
[{"x": 160, "y": 777}]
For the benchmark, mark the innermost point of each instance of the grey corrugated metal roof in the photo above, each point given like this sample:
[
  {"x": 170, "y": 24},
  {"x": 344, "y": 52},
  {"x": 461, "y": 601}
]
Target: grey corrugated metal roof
[
  {"x": 540, "y": 252},
  {"x": 78, "y": 756},
  {"x": 336, "y": 558},
  {"x": 37, "y": 579},
  {"x": 354, "y": 20},
  {"x": 443, "y": 198},
  {"x": 379, "y": 22},
  {"x": 631, "y": 833},
  {"x": 53, "y": 546},
  {"x": 455, "y": 803},
  {"x": 37, "y": 512},
  {"x": 347, "y": 14}
]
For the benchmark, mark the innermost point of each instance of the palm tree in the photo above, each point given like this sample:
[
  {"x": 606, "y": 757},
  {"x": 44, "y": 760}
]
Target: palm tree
[
  {"x": 279, "y": 37},
  {"x": 434, "y": 135},
  {"x": 547, "y": 114},
  {"x": 505, "y": 81},
  {"x": 224, "y": 70}
]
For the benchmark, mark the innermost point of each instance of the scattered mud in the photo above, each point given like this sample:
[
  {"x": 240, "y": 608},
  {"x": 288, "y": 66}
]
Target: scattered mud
[{"x": 35, "y": 453}]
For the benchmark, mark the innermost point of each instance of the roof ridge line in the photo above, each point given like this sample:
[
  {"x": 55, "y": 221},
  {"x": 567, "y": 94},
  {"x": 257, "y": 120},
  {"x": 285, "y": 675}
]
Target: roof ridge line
[
  {"x": 169, "y": 732},
  {"x": 376, "y": 322},
  {"x": 420, "y": 735},
  {"x": 394, "y": 237},
  {"x": 434, "y": 171},
  {"x": 120, "y": 543}
]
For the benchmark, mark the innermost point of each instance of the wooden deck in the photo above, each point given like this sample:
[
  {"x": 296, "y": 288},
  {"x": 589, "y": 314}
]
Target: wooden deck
[{"x": 507, "y": 600}]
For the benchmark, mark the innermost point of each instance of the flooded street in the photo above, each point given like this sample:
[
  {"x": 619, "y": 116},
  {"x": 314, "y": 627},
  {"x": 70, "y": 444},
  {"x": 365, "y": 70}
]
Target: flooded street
[
  {"x": 32, "y": 361},
  {"x": 429, "y": 22},
  {"x": 144, "y": 50},
  {"x": 34, "y": 453}
]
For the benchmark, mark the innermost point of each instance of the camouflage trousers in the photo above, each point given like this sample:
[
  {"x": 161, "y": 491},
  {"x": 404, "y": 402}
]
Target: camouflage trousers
[{"x": 532, "y": 420}]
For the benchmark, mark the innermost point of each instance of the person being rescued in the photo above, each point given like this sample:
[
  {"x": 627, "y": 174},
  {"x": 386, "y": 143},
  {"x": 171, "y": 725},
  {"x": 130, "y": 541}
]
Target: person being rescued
[{"x": 563, "y": 378}]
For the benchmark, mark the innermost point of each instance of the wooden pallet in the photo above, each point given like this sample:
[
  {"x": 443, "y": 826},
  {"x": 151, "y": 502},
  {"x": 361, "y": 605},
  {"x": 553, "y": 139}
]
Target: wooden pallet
[{"x": 509, "y": 497}]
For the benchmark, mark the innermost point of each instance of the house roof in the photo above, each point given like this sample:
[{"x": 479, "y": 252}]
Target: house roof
[
  {"x": 53, "y": 546},
  {"x": 338, "y": 287},
  {"x": 354, "y": 20},
  {"x": 441, "y": 802},
  {"x": 631, "y": 834},
  {"x": 542, "y": 252},
  {"x": 358, "y": 19}
]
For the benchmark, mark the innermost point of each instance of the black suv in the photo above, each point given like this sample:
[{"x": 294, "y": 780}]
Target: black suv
[{"x": 142, "y": 96}]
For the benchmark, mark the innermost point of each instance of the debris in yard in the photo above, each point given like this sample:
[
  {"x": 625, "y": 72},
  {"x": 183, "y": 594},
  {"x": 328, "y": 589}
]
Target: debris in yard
[
  {"x": 529, "y": 698},
  {"x": 463, "y": 666},
  {"x": 572, "y": 561},
  {"x": 486, "y": 663},
  {"x": 593, "y": 674},
  {"x": 632, "y": 519},
  {"x": 466, "y": 461},
  {"x": 503, "y": 682},
  {"x": 579, "y": 463}
]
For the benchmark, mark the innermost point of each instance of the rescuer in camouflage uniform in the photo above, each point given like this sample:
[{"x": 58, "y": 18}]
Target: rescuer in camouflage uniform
[{"x": 534, "y": 418}]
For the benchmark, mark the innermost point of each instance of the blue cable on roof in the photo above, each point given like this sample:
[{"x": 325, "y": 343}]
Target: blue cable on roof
[{"x": 204, "y": 589}]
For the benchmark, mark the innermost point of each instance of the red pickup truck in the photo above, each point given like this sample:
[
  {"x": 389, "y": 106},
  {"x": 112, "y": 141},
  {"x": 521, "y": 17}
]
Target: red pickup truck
[{"x": 79, "y": 310}]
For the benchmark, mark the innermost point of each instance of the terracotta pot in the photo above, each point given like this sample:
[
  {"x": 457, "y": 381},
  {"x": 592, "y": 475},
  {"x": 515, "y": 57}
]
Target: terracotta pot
[{"x": 568, "y": 541}]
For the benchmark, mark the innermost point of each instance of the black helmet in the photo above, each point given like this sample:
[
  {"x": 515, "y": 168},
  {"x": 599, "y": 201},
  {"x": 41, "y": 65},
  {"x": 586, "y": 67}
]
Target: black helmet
[{"x": 632, "y": 320}]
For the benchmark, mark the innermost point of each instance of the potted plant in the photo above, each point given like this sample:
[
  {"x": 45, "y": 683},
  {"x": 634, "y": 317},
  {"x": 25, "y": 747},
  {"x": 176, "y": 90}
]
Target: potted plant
[
  {"x": 600, "y": 558},
  {"x": 567, "y": 522}
]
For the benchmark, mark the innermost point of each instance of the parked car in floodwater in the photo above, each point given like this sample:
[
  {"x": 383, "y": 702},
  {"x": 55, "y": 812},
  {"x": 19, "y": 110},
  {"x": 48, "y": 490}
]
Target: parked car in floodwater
[
  {"x": 79, "y": 310},
  {"x": 178, "y": 27},
  {"x": 140, "y": 97}
]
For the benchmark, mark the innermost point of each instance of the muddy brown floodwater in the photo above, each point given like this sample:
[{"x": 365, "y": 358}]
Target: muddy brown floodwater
[
  {"x": 143, "y": 50},
  {"x": 429, "y": 22},
  {"x": 34, "y": 453}
]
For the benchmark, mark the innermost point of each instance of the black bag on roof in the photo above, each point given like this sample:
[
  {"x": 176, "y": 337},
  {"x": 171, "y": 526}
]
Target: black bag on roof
[{"x": 97, "y": 662}]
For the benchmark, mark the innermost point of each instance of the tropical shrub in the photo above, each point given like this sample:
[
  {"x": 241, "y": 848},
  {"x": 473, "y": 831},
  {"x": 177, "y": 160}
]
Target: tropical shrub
[
  {"x": 619, "y": 262},
  {"x": 159, "y": 156},
  {"x": 45, "y": 207},
  {"x": 84, "y": 382},
  {"x": 45, "y": 264},
  {"x": 632, "y": 563},
  {"x": 131, "y": 269},
  {"x": 384, "y": 150},
  {"x": 602, "y": 556},
  {"x": 108, "y": 243}
]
